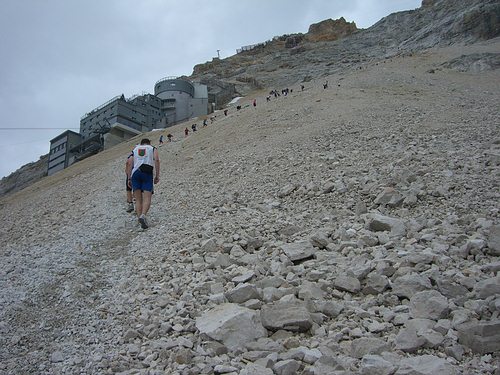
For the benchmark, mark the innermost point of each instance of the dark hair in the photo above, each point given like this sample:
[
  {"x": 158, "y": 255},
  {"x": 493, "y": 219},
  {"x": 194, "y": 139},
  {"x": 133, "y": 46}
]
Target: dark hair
[{"x": 145, "y": 141}]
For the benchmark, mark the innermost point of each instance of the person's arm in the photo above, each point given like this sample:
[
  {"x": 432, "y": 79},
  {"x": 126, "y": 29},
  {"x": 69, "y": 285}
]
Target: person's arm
[
  {"x": 128, "y": 168},
  {"x": 157, "y": 166}
]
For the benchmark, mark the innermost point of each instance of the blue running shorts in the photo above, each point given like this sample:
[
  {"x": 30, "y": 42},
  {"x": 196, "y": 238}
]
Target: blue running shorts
[{"x": 142, "y": 181}]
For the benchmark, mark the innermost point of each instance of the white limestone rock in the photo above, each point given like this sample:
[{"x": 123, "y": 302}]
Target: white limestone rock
[
  {"x": 488, "y": 287},
  {"x": 291, "y": 315},
  {"x": 426, "y": 365},
  {"x": 346, "y": 283},
  {"x": 381, "y": 223},
  {"x": 231, "y": 324},
  {"x": 368, "y": 345},
  {"x": 407, "y": 285},
  {"x": 429, "y": 304},
  {"x": 376, "y": 365},
  {"x": 298, "y": 251}
]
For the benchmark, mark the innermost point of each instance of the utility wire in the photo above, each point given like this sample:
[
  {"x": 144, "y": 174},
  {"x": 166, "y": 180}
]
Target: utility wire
[{"x": 36, "y": 128}]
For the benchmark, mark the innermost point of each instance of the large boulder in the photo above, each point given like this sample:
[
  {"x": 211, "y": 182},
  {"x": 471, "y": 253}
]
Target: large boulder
[
  {"x": 480, "y": 336},
  {"x": 231, "y": 324},
  {"x": 288, "y": 314},
  {"x": 298, "y": 251}
]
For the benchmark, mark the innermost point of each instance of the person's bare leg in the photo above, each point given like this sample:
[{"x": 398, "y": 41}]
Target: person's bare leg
[
  {"x": 138, "y": 202},
  {"x": 146, "y": 201}
]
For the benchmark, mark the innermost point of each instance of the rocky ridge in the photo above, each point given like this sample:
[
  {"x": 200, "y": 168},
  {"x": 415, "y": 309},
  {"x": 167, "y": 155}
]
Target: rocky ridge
[
  {"x": 24, "y": 176},
  {"x": 278, "y": 64}
]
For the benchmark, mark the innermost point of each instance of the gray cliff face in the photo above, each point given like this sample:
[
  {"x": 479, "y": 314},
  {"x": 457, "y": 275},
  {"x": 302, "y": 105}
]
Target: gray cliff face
[{"x": 445, "y": 22}]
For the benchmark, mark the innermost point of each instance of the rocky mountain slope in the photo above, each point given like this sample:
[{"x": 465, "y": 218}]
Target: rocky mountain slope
[{"x": 347, "y": 230}]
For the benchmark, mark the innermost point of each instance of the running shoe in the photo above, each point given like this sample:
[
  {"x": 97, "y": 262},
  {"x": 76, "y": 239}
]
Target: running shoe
[{"x": 143, "y": 222}]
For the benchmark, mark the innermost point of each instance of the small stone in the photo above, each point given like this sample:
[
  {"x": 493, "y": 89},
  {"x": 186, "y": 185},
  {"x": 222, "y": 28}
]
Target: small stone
[
  {"x": 298, "y": 250},
  {"x": 429, "y": 304},
  {"x": 347, "y": 284},
  {"x": 408, "y": 341},
  {"x": 380, "y": 223},
  {"x": 488, "y": 287},
  {"x": 286, "y": 190},
  {"x": 320, "y": 239},
  {"x": 456, "y": 351},
  {"x": 480, "y": 336},
  {"x": 494, "y": 240},
  {"x": 376, "y": 365},
  {"x": 368, "y": 345},
  {"x": 255, "y": 369},
  {"x": 224, "y": 369},
  {"x": 288, "y": 315},
  {"x": 231, "y": 324},
  {"x": 390, "y": 197},
  {"x": 209, "y": 245},
  {"x": 286, "y": 367},
  {"x": 56, "y": 357},
  {"x": 375, "y": 284},
  {"x": 242, "y": 293},
  {"x": 243, "y": 278},
  {"x": 425, "y": 365}
]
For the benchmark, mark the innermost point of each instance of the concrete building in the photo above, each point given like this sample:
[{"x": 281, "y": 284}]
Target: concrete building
[
  {"x": 119, "y": 119},
  {"x": 60, "y": 156},
  {"x": 181, "y": 99}
]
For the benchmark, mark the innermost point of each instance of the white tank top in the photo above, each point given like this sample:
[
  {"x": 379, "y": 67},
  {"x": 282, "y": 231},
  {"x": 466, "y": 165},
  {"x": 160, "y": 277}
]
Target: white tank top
[{"x": 143, "y": 154}]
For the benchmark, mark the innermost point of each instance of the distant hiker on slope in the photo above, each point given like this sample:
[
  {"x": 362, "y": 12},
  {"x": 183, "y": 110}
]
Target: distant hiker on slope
[
  {"x": 186, "y": 132},
  {"x": 161, "y": 139},
  {"x": 146, "y": 160}
]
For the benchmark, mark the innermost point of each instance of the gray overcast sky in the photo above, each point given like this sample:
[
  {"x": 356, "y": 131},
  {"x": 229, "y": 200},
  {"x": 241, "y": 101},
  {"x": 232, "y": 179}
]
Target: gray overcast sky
[{"x": 60, "y": 59}]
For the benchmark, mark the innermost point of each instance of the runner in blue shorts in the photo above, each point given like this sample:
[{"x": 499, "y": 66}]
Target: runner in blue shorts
[{"x": 146, "y": 164}]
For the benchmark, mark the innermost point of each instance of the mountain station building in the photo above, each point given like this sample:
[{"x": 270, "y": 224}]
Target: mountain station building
[{"x": 119, "y": 119}]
